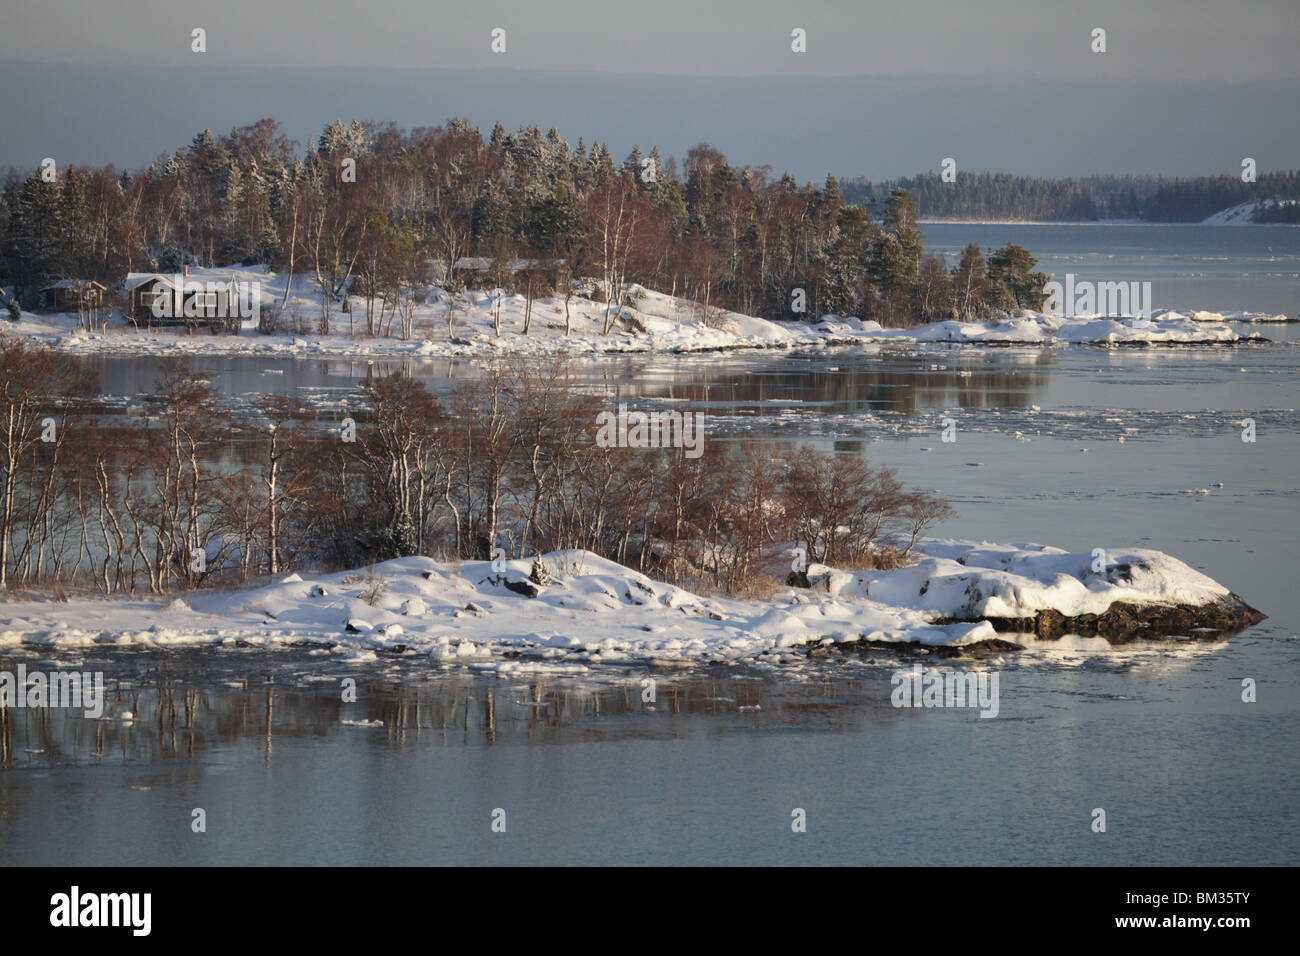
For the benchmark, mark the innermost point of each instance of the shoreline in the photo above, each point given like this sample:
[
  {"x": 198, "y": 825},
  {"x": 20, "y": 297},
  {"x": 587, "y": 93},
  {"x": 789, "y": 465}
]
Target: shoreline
[
  {"x": 835, "y": 334},
  {"x": 1091, "y": 222},
  {"x": 284, "y": 319}
]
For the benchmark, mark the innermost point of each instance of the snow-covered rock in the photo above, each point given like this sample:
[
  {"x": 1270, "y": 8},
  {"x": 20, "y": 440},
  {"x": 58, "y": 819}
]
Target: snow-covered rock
[{"x": 956, "y": 594}]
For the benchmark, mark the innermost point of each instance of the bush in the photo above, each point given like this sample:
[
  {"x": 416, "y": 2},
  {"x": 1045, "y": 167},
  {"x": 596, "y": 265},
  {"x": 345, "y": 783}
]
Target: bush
[{"x": 269, "y": 319}]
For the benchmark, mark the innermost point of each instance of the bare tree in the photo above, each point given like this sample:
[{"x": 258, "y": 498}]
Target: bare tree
[
  {"x": 920, "y": 512},
  {"x": 38, "y": 391},
  {"x": 617, "y": 214}
]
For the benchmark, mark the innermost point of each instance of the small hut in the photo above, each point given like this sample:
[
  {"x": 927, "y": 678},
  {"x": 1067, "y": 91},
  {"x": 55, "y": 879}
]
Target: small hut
[{"x": 73, "y": 295}]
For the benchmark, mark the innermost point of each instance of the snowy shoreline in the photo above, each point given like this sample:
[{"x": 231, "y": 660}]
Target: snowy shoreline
[
  {"x": 959, "y": 598},
  {"x": 654, "y": 322}
]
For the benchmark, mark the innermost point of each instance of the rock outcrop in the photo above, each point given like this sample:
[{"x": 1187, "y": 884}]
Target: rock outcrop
[{"x": 1126, "y": 621}]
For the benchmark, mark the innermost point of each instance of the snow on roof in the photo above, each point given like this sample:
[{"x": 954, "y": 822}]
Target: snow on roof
[
  {"x": 72, "y": 284},
  {"x": 135, "y": 279}
]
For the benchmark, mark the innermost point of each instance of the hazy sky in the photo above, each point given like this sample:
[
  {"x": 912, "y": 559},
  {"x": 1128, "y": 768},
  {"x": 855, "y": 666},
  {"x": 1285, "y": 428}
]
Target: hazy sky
[
  {"x": 1205, "y": 40},
  {"x": 1185, "y": 87}
]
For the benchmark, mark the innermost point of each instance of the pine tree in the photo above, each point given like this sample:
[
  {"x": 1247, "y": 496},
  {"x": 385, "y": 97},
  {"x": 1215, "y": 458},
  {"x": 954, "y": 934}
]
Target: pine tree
[
  {"x": 831, "y": 199},
  {"x": 601, "y": 164},
  {"x": 74, "y": 229},
  {"x": 38, "y": 232},
  {"x": 1013, "y": 282},
  {"x": 632, "y": 164},
  {"x": 492, "y": 219},
  {"x": 554, "y": 223},
  {"x": 900, "y": 222},
  {"x": 847, "y": 261},
  {"x": 539, "y": 574}
]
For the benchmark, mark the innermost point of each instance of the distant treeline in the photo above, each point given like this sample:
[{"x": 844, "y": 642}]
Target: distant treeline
[{"x": 1086, "y": 199}]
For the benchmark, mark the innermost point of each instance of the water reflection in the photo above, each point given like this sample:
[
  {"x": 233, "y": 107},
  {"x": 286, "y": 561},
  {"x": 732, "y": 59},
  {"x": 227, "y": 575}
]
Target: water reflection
[
  {"x": 159, "y": 716},
  {"x": 186, "y": 705},
  {"x": 742, "y": 384}
]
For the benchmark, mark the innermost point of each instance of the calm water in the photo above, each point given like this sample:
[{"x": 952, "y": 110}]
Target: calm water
[{"x": 1157, "y": 736}]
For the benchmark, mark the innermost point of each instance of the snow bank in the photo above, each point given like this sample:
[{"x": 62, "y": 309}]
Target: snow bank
[{"x": 598, "y": 612}]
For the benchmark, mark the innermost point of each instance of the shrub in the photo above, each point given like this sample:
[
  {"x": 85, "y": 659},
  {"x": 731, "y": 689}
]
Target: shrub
[{"x": 373, "y": 586}]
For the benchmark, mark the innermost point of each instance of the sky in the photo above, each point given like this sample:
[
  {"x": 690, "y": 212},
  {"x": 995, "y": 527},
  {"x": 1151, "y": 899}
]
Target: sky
[
  {"x": 1203, "y": 40},
  {"x": 997, "y": 84}
]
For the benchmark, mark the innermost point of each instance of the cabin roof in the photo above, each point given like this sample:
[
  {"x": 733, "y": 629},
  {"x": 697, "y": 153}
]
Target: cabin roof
[
  {"x": 73, "y": 284},
  {"x": 136, "y": 279}
]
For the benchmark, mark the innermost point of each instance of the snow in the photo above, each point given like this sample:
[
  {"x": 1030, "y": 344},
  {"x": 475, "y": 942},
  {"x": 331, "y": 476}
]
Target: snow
[
  {"x": 460, "y": 614},
  {"x": 1243, "y": 214},
  {"x": 1239, "y": 215},
  {"x": 655, "y": 322},
  {"x": 962, "y": 579}
]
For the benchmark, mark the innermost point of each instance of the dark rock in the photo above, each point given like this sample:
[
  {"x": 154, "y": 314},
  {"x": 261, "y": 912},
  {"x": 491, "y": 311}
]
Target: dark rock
[
  {"x": 978, "y": 650},
  {"x": 1126, "y": 621},
  {"x": 526, "y": 588}
]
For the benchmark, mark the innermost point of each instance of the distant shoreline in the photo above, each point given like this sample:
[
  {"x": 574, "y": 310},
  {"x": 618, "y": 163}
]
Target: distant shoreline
[{"x": 1089, "y": 222}]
